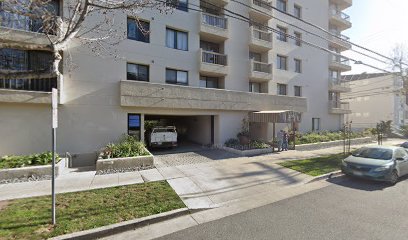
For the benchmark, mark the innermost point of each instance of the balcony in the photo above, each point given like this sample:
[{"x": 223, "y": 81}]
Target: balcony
[
  {"x": 339, "y": 63},
  {"x": 260, "y": 10},
  {"x": 219, "y": 2},
  {"x": 337, "y": 85},
  {"x": 339, "y": 41},
  {"x": 260, "y": 41},
  {"x": 339, "y": 19},
  {"x": 342, "y": 4},
  {"x": 152, "y": 95},
  {"x": 337, "y": 107},
  {"x": 259, "y": 71},
  {"x": 213, "y": 64},
  {"x": 213, "y": 27}
]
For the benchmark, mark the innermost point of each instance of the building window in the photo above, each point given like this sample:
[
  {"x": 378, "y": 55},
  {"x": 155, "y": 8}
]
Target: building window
[
  {"x": 282, "y": 89},
  {"x": 297, "y": 11},
  {"x": 281, "y": 5},
  {"x": 282, "y": 62},
  {"x": 298, "y": 65},
  {"x": 134, "y": 124},
  {"x": 138, "y": 31},
  {"x": 298, "y": 39},
  {"x": 176, "y": 77},
  {"x": 315, "y": 124},
  {"x": 208, "y": 82},
  {"x": 176, "y": 39},
  {"x": 282, "y": 34},
  {"x": 38, "y": 85},
  {"x": 137, "y": 72},
  {"x": 178, "y": 4},
  {"x": 255, "y": 87},
  {"x": 298, "y": 91}
]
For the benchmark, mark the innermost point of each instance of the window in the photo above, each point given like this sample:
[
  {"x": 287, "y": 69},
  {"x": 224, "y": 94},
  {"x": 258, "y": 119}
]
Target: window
[
  {"x": 297, "y": 11},
  {"x": 176, "y": 76},
  {"x": 281, "y": 5},
  {"x": 178, "y": 4},
  {"x": 176, "y": 39},
  {"x": 37, "y": 84},
  {"x": 209, "y": 46},
  {"x": 298, "y": 40},
  {"x": 282, "y": 34},
  {"x": 282, "y": 62},
  {"x": 137, "y": 72},
  {"x": 315, "y": 124},
  {"x": 138, "y": 31},
  {"x": 255, "y": 87},
  {"x": 255, "y": 56},
  {"x": 208, "y": 82},
  {"x": 134, "y": 122},
  {"x": 298, "y": 91},
  {"x": 298, "y": 66},
  {"x": 20, "y": 60},
  {"x": 282, "y": 89}
]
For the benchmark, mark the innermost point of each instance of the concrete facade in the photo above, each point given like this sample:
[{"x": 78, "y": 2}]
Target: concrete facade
[
  {"x": 96, "y": 96},
  {"x": 375, "y": 98}
]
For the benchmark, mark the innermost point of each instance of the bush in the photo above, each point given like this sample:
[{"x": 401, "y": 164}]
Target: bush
[
  {"x": 253, "y": 144},
  {"x": 325, "y": 136},
  {"x": 128, "y": 146},
  {"x": 28, "y": 160},
  {"x": 231, "y": 142}
]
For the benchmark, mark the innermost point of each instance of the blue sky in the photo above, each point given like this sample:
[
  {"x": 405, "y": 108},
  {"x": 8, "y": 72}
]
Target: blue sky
[{"x": 377, "y": 25}]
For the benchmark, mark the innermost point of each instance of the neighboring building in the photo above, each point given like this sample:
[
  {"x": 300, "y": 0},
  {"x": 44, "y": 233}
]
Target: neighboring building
[
  {"x": 201, "y": 71},
  {"x": 374, "y": 98}
]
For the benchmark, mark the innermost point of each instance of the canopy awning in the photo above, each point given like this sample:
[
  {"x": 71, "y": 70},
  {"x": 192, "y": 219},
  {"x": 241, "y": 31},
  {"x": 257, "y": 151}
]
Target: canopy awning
[{"x": 279, "y": 116}]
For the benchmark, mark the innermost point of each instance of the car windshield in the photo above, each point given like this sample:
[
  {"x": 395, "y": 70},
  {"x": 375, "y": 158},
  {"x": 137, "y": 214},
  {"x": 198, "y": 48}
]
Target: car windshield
[{"x": 374, "y": 153}]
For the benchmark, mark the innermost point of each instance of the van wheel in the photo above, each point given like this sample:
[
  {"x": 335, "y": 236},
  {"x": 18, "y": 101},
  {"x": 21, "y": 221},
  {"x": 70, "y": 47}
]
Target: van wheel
[{"x": 394, "y": 177}]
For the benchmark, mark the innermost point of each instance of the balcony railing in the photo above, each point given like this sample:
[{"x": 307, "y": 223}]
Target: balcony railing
[
  {"x": 338, "y": 82},
  {"x": 214, "y": 20},
  {"x": 341, "y": 36},
  {"x": 263, "y": 4},
  {"x": 213, "y": 58},
  {"x": 340, "y": 60},
  {"x": 261, "y": 67},
  {"x": 340, "y": 14},
  {"x": 38, "y": 85},
  {"x": 261, "y": 35},
  {"x": 339, "y": 105}
]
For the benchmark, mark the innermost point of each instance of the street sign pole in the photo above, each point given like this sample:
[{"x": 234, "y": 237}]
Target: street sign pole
[{"x": 54, "y": 145}]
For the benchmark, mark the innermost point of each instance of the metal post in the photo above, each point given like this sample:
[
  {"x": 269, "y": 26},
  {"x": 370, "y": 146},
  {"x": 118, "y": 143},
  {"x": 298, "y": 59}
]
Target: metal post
[
  {"x": 54, "y": 139},
  {"x": 273, "y": 138}
]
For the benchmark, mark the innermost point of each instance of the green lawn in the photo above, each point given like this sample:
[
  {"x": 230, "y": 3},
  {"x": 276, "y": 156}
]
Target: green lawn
[
  {"x": 29, "y": 218},
  {"x": 316, "y": 166}
]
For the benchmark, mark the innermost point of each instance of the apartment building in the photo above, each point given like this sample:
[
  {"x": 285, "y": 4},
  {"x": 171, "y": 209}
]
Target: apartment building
[
  {"x": 202, "y": 71},
  {"x": 376, "y": 97}
]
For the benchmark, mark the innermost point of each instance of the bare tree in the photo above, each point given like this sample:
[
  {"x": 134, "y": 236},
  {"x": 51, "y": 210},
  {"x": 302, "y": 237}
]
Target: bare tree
[
  {"x": 398, "y": 64},
  {"x": 42, "y": 16}
]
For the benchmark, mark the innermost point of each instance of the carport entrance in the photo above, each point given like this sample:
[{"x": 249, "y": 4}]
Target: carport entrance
[{"x": 190, "y": 129}]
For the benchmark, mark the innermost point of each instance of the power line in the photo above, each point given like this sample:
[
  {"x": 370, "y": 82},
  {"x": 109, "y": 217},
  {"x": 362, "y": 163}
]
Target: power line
[{"x": 315, "y": 26}]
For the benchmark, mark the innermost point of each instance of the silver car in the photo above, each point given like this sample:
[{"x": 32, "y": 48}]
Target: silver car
[{"x": 380, "y": 163}]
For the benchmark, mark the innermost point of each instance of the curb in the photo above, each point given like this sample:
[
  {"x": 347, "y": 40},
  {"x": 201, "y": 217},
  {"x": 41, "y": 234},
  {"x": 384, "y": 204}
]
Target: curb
[
  {"x": 326, "y": 176},
  {"x": 123, "y": 226}
]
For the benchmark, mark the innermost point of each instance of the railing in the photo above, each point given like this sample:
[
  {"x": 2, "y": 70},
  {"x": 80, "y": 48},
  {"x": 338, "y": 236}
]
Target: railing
[
  {"x": 213, "y": 58},
  {"x": 214, "y": 20},
  {"x": 340, "y": 60},
  {"x": 38, "y": 85},
  {"x": 338, "y": 82},
  {"x": 261, "y": 35},
  {"x": 339, "y": 105},
  {"x": 261, "y": 67},
  {"x": 338, "y": 34},
  {"x": 262, "y": 4},
  {"x": 25, "y": 23},
  {"x": 339, "y": 14}
]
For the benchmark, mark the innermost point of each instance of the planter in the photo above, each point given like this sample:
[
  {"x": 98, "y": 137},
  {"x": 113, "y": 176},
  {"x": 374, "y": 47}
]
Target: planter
[
  {"x": 321, "y": 145},
  {"x": 125, "y": 163},
  {"x": 248, "y": 153},
  {"x": 41, "y": 172}
]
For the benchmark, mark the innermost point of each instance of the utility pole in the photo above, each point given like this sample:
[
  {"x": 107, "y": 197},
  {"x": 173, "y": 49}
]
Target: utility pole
[{"x": 54, "y": 146}]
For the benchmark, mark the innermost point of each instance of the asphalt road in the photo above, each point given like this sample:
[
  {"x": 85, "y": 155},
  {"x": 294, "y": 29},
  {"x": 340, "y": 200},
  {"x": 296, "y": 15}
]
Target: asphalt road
[{"x": 347, "y": 209}]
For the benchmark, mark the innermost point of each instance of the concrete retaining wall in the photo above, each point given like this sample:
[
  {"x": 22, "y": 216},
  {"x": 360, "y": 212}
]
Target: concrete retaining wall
[
  {"x": 315, "y": 146},
  {"x": 248, "y": 153},
  {"x": 26, "y": 172},
  {"x": 125, "y": 163}
]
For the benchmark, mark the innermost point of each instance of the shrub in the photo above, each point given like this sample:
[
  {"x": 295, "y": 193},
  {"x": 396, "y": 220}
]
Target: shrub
[
  {"x": 253, "y": 144},
  {"x": 28, "y": 160},
  {"x": 325, "y": 136},
  {"x": 128, "y": 146},
  {"x": 232, "y": 142}
]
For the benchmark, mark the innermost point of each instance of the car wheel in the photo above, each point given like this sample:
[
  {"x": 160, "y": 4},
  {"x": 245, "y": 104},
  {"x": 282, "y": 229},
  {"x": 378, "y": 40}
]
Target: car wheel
[{"x": 394, "y": 177}]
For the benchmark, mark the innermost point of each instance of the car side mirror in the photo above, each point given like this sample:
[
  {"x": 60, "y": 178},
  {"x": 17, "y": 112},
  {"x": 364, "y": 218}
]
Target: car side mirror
[{"x": 400, "y": 159}]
